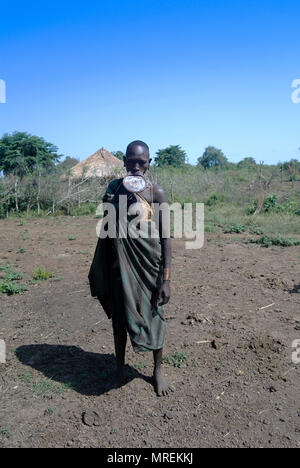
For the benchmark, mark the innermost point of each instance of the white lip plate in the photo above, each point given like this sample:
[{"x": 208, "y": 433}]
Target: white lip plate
[{"x": 134, "y": 184}]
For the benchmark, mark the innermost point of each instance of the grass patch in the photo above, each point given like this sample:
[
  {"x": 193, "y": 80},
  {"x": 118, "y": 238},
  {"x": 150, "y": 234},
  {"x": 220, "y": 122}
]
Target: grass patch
[
  {"x": 74, "y": 383},
  {"x": 26, "y": 377},
  {"x": 268, "y": 241},
  {"x": 8, "y": 287},
  {"x": 139, "y": 365},
  {"x": 5, "y": 432},
  {"x": 11, "y": 274},
  {"x": 83, "y": 210},
  {"x": 40, "y": 274},
  {"x": 57, "y": 278},
  {"x": 177, "y": 359},
  {"x": 9, "y": 284},
  {"x": 44, "y": 387},
  {"x": 39, "y": 387},
  {"x": 234, "y": 229},
  {"x": 211, "y": 229}
]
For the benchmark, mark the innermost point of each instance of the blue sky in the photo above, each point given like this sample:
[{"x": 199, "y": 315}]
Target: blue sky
[{"x": 89, "y": 74}]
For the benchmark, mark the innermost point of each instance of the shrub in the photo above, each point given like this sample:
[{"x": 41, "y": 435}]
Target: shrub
[
  {"x": 215, "y": 199},
  {"x": 268, "y": 241},
  {"x": 84, "y": 210},
  {"x": 271, "y": 205},
  {"x": 234, "y": 228},
  {"x": 2, "y": 210},
  {"x": 177, "y": 359},
  {"x": 11, "y": 274},
  {"x": 41, "y": 274},
  {"x": 8, "y": 285}
]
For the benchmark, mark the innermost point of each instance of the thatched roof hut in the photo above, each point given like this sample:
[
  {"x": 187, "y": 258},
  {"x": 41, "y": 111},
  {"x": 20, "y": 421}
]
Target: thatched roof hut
[{"x": 101, "y": 163}]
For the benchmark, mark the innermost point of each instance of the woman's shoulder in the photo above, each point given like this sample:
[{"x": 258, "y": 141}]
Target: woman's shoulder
[
  {"x": 159, "y": 194},
  {"x": 113, "y": 185}
]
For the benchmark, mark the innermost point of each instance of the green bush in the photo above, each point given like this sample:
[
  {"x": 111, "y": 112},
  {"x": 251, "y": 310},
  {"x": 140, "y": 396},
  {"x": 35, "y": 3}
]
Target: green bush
[
  {"x": 177, "y": 359},
  {"x": 256, "y": 230},
  {"x": 268, "y": 241},
  {"x": 215, "y": 199},
  {"x": 234, "y": 228},
  {"x": 10, "y": 287},
  {"x": 11, "y": 274},
  {"x": 41, "y": 274},
  {"x": 2, "y": 211},
  {"x": 9, "y": 284},
  {"x": 84, "y": 210},
  {"x": 271, "y": 205},
  {"x": 211, "y": 229}
]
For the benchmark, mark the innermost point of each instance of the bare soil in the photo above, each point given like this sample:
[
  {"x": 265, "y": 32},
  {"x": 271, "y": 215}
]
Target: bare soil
[{"x": 238, "y": 386}]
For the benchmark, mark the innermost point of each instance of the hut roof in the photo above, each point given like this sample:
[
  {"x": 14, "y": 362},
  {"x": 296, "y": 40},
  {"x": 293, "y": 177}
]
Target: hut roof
[{"x": 101, "y": 163}]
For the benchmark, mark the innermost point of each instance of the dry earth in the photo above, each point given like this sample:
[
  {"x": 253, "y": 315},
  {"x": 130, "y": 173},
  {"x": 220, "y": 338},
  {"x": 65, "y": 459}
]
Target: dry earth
[{"x": 238, "y": 386}]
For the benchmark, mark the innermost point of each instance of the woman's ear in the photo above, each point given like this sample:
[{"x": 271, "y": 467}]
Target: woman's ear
[{"x": 148, "y": 164}]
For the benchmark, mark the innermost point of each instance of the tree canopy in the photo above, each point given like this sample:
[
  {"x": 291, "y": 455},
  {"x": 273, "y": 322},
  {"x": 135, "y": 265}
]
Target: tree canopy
[
  {"x": 67, "y": 163},
  {"x": 173, "y": 155},
  {"x": 247, "y": 162},
  {"x": 212, "y": 157},
  {"x": 22, "y": 153},
  {"x": 119, "y": 154}
]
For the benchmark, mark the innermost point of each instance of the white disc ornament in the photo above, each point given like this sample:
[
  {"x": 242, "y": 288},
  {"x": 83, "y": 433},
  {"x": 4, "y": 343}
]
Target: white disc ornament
[{"x": 134, "y": 184}]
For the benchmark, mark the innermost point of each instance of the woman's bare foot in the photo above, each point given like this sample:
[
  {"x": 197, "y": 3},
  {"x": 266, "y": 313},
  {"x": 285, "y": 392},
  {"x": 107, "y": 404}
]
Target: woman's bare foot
[{"x": 161, "y": 386}]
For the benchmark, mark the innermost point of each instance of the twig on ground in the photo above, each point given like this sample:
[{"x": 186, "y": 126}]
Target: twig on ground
[{"x": 270, "y": 305}]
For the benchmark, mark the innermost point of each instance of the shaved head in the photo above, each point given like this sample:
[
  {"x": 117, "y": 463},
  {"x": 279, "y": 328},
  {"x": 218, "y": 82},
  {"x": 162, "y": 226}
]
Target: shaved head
[{"x": 132, "y": 148}]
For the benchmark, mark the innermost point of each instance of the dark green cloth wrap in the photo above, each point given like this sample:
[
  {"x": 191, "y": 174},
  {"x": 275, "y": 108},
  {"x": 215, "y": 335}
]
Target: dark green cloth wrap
[{"x": 139, "y": 263}]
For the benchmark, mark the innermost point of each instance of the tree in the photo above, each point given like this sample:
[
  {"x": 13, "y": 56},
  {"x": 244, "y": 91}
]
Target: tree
[
  {"x": 67, "y": 163},
  {"x": 173, "y": 155},
  {"x": 212, "y": 157},
  {"x": 119, "y": 154},
  {"x": 291, "y": 167},
  {"x": 22, "y": 153},
  {"x": 247, "y": 162}
]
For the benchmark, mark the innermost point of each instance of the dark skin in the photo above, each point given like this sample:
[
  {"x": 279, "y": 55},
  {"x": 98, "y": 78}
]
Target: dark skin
[{"x": 137, "y": 162}]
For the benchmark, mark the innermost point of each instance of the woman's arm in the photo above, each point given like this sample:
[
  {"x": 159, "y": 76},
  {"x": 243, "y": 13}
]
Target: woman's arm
[{"x": 160, "y": 197}]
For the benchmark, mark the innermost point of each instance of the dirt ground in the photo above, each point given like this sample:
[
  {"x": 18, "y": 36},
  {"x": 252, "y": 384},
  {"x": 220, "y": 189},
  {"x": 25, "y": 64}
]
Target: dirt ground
[{"x": 237, "y": 387}]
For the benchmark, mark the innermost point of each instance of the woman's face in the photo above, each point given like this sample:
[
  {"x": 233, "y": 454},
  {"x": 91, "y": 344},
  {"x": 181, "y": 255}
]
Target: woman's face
[{"x": 138, "y": 161}]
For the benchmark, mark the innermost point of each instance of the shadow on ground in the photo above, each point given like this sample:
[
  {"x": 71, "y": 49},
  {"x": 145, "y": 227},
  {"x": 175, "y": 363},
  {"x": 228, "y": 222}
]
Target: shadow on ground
[{"x": 86, "y": 373}]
